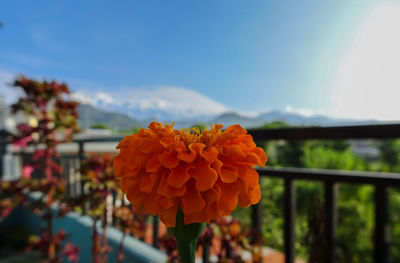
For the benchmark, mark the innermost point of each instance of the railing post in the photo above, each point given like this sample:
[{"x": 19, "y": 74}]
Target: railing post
[
  {"x": 81, "y": 150},
  {"x": 290, "y": 217},
  {"x": 155, "y": 231},
  {"x": 229, "y": 251},
  {"x": 381, "y": 224},
  {"x": 256, "y": 215},
  {"x": 331, "y": 216},
  {"x": 3, "y": 150},
  {"x": 206, "y": 253},
  {"x": 81, "y": 157}
]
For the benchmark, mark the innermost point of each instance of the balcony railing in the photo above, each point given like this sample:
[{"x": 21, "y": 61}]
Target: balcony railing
[
  {"x": 382, "y": 182},
  {"x": 331, "y": 178}
]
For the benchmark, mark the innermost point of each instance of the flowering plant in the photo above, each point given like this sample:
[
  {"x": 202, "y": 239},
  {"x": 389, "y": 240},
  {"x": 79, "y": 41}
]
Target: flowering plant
[
  {"x": 49, "y": 118},
  {"x": 100, "y": 183},
  {"x": 129, "y": 223},
  {"x": 189, "y": 177},
  {"x": 43, "y": 241}
]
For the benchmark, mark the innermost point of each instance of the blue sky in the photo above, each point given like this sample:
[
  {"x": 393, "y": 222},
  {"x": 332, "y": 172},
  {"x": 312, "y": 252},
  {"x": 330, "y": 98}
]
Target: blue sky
[{"x": 247, "y": 56}]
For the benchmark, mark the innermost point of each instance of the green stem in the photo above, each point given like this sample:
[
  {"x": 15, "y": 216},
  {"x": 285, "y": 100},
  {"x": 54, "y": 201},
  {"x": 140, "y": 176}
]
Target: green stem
[
  {"x": 186, "y": 237},
  {"x": 187, "y": 250}
]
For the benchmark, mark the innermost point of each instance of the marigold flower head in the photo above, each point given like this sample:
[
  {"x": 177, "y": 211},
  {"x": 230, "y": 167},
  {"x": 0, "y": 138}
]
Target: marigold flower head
[{"x": 207, "y": 174}]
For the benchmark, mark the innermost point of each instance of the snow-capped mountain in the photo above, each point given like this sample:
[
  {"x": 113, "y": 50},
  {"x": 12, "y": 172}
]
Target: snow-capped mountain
[{"x": 166, "y": 103}]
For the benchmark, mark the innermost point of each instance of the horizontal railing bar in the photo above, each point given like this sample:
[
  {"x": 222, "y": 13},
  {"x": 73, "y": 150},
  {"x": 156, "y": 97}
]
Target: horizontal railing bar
[
  {"x": 379, "y": 131},
  {"x": 68, "y": 155},
  {"x": 390, "y": 179},
  {"x": 99, "y": 139}
]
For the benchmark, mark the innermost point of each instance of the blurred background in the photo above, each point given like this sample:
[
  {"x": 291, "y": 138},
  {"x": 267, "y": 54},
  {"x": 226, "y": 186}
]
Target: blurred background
[{"x": 262, "y": 64}]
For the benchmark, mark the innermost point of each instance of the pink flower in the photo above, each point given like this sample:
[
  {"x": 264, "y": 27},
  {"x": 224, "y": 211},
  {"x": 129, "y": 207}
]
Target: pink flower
[
  {"x": 22, "y": 142},
  {"x": 27, "y": 171},
  {"x": 24, "y": 128},
  {"x": 71, "y": 251},
  {"x": 39, "y": 154},
  {"x": 6, "y": 211}
]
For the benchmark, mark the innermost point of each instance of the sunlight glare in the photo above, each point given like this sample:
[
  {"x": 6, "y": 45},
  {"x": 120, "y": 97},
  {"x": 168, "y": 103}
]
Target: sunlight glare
[{"x": 368, "y": 80}]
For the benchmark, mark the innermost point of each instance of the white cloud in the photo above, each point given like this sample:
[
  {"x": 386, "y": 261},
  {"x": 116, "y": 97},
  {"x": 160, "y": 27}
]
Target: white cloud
[
  {"x": 252, "y": 114},
  {"x": 304, "y": 112},
  {"x": 368, "y": 80},
  {"x": 178, "y": 101}
]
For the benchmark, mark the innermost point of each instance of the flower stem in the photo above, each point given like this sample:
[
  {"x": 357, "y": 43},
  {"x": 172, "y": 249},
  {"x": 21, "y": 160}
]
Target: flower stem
[
  {"x": 187, "y": 250},
  {"x": 186, "y": 237}
]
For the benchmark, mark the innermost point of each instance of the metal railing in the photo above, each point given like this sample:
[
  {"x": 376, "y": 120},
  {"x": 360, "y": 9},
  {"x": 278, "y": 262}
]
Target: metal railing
[{"x": 331, "y": 178}]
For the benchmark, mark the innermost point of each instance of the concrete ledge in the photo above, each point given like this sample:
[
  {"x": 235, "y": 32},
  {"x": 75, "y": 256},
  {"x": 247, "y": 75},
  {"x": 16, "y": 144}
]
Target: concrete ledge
[{"x": 80, "y": 230}]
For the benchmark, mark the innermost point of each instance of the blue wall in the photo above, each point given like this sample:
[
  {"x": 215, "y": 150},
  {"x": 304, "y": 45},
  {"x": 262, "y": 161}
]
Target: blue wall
[{"x": 80, "y": 228}]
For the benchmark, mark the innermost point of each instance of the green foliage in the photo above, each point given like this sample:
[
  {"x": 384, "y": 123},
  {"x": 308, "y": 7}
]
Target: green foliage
[
  {"x": 272, "y": 227},
  {"x": 323, "y": 156},
  {"x": 100, "y": 126},
  {"x": 389, "y": 155},
  {"x": 356, "y": 222},
  {"x": 134, "y": 129}
]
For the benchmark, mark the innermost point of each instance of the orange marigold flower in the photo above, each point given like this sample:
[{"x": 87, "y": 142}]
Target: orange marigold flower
[{"x": 207, "y": 174}]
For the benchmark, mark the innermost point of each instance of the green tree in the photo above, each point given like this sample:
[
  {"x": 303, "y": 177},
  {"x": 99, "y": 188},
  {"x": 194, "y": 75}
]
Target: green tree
[
  {"x": 100, "y": 126},
  {"x": 389, "y": 154}
]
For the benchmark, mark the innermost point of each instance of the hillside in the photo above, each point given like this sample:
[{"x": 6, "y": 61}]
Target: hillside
[{"x": 89, "y": 115}]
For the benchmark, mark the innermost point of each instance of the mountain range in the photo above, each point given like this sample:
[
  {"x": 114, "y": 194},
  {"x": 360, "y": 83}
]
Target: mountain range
[
  {"x": 122, "y": 110},
  {"x": 90, "y": 115}
]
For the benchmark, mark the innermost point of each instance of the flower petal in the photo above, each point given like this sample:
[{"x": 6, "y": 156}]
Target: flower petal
[
  {"x": 249, "y": 175},
  {"x": 229, "y": 197},
  {"x": 168, "y": 216},
  {"x": 197, "y": 218},
  {"x": 204, "y": 175},
  {"x": 192, "y": 201},
  {"x": 165, "y": 203},
  {"x": 169, "y": 159},
  {"x": 179, "y": 175},
  {"x": 165, "y": 189},
  {"x": 167, "y": 141},
  {"x": 149, "y": 146},
  {"x": 261, "y": 155},
  {"x": 185, "y": 155},
  {"x": 153, "y": 164},
  {"x": 197, "y": 147},
  {"x": 229, "y": 174},
  {"x": 233, "y": 151},
  {"x": 146, "y": 184},
  {"x": 150, "y": 203},
  {"x": 210, "y": 154}
]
